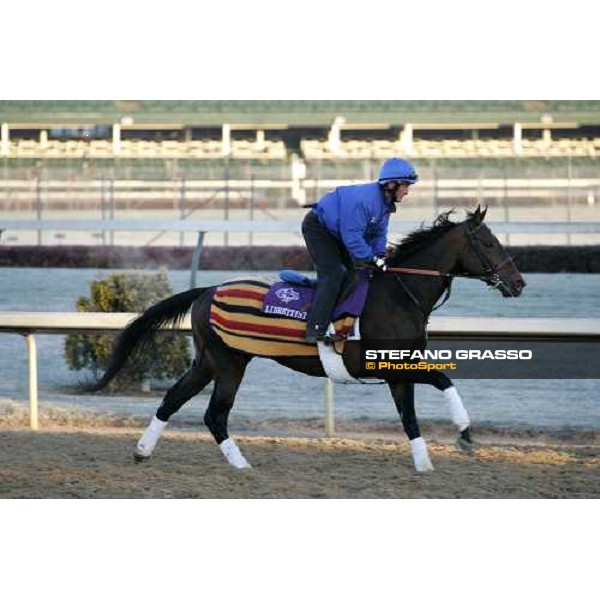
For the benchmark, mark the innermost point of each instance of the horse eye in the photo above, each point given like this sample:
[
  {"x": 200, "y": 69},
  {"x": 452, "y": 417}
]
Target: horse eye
[{"x": 488, "y": 243}]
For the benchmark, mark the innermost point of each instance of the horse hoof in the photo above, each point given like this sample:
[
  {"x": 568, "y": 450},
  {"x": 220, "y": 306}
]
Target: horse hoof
[
  {"x": 424, "y": 469},
  {"x": 465, "y": 446},
  {"x": 465, "y": 441},
  {"x": 138, "y": 458}
]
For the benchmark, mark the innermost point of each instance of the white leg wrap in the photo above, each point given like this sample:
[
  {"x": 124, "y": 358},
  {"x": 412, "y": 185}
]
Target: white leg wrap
[
  {"x": 233, "y": 455},
  {"x": 460, "y": 417},
  {"x": 420, "y": 455},
  {"x": 146, "y": 444}
]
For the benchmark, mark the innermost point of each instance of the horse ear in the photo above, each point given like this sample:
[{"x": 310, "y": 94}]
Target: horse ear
[
  {"x": 483, "y": 213},
  {"x": 476, "y": 216}
]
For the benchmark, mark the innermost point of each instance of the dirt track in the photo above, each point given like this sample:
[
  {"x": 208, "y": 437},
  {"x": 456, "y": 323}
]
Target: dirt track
[{"x": 79, "y": 460}]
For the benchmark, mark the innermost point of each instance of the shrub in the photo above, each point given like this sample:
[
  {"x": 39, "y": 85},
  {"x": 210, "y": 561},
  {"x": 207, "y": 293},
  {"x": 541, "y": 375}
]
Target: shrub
[{"x": 167, "y": 355}]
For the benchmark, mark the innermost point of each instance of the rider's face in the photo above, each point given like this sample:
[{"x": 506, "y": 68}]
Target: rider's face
[{"x": 401, "y": 192}]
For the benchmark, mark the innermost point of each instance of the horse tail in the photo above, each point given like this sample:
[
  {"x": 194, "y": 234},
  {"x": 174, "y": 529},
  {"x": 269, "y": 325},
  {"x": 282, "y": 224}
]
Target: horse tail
[{"x": 140, "y": 331}]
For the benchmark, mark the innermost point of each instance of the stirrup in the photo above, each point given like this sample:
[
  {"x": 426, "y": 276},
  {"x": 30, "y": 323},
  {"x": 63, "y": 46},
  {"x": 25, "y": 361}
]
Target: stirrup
[
  {"x": 332, "y": 338},
  {"x": 314, "y": 338}
]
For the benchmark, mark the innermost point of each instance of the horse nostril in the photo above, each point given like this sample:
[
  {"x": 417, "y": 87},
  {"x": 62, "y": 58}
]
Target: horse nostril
[{"x": 521, "y": 283}]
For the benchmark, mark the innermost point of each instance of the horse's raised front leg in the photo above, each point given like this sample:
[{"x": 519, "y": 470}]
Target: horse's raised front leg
[
  {"x": 404, "y": 398},
  {"x": 460, "y": 417},
  {"x": 458, "y": 413}
]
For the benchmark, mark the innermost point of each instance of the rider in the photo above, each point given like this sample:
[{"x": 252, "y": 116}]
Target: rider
[{"x": 350, "y": 224}]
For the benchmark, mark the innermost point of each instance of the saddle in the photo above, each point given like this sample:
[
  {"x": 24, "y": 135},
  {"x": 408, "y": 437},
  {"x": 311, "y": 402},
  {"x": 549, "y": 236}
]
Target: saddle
[{"x": 296, "y": 278}]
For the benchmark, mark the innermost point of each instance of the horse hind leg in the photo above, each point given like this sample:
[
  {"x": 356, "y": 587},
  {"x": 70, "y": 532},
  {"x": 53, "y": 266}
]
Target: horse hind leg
[
  {"x": 192, "y": 382},
  {"x": 219, "y": 407}
]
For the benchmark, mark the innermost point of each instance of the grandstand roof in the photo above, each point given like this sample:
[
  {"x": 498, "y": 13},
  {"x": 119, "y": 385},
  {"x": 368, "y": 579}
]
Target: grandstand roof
[{"x": 319, "y": 113}]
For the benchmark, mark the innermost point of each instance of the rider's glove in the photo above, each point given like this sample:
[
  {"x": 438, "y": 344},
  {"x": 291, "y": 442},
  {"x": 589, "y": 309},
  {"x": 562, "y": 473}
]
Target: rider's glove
[{"x": 379, "y": 262}]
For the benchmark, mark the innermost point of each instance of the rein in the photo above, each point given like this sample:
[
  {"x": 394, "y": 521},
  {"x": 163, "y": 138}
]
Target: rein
[
  {"x": 415, "y": 300},
  {"x": 417, "y": 271}
]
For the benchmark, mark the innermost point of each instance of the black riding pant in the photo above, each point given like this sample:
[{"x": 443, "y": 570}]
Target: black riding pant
[{"x": 334, "y": 267}]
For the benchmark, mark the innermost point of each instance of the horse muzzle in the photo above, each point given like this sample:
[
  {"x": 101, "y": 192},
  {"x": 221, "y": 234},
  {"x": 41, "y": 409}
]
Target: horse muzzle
[
  {"x": 508, "y": 288},
  {"x": 512, "y": 289}
]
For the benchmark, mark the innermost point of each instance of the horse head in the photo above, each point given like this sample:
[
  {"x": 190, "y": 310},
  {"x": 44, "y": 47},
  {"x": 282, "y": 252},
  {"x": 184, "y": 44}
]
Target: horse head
[{"x": 485, "y": 257}]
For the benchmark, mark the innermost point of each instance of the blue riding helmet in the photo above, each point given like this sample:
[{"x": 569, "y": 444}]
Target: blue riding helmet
[{"x": 397, "y": 169}]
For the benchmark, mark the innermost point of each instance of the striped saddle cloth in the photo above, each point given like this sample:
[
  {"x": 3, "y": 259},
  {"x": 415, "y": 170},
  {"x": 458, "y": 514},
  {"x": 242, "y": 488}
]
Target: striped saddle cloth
[{"x": 268, "y": 318}]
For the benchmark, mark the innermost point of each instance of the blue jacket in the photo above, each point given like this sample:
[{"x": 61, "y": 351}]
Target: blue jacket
[{"x": 358, "y": 215}]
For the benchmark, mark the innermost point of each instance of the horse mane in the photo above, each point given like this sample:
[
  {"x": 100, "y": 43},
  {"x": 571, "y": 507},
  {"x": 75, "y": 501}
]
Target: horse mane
[{"x": 422, "y": 237}]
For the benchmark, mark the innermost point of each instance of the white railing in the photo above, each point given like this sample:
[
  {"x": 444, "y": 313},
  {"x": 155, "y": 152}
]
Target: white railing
[
  {"x": 279, "y": 226},
  {"x": 28, "y": 324}
]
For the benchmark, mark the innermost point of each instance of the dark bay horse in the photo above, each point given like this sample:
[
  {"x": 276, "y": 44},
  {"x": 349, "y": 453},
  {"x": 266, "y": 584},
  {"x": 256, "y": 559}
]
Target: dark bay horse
[{"x": 397, "y": 307}]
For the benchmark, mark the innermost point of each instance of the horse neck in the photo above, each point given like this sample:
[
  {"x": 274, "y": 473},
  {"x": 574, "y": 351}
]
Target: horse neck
[{"x": 442, "y": 255}]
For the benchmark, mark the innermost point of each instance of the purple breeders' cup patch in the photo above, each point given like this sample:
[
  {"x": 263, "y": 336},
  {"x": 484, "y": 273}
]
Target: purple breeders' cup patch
[
  {"x": 287, "y": 300},
  {"x": 293, "y": 301}
]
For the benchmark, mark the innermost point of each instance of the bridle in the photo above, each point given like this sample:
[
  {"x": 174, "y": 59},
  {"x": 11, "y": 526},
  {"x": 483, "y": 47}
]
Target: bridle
[{"x": 491, "y": 273}]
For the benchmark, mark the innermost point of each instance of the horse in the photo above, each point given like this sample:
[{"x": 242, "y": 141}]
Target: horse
[{"x": 398, "y": 304}]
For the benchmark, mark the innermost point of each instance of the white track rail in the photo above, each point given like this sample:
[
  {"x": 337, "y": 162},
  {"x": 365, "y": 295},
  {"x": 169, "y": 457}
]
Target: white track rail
[{"x": 30, "y": 323}]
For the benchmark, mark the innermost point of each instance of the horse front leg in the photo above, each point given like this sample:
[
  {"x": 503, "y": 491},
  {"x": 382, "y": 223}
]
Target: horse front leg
[
  {"x": 404, "y": 398},
  {"x": 458, "y": 413}
]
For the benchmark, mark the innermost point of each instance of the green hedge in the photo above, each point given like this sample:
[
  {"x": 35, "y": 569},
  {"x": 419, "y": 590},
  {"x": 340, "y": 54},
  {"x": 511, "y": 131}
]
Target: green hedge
[{"x": 166, "y": 356}]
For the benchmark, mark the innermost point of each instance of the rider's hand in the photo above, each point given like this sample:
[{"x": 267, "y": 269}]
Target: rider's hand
[{"x": 380, "y": 263}]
